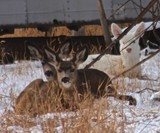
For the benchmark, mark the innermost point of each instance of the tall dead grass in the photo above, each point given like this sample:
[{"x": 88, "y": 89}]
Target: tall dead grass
[
  {"x": 89, "y": 30},
  {"x": 93, "y": 119},
  {"x": 92, "y": 116}
]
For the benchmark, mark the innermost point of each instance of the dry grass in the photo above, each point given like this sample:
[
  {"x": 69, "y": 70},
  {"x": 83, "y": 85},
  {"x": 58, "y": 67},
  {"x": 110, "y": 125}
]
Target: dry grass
[
  {"x": 91, "y": 119},
  {"x": 57, "y": 31},
  {"x": 95, "y": 117},
  {"x": 102, "y": 116}
]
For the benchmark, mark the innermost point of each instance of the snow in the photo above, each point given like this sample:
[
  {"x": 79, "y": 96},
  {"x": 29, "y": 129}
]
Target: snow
[{"x": 143, "y": 118}]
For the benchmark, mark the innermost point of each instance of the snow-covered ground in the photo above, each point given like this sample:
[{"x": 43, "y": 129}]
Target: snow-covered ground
[{"x": 143, "y": 118}]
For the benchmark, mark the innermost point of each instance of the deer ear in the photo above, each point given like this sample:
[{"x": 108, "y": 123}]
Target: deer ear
[
  {"x": 34, "y": 52},
  {"x": 50, "y": 55},
  {"x": 140, "y": 29},
  {"x": 66, "y": 49},
  {"x": 81, "y": 56},
  {"x": 116, "y": 30}
]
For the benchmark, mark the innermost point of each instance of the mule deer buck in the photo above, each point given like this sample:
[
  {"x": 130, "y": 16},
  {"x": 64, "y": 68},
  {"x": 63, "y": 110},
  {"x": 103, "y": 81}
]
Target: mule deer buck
[
  {"x": 129, "y": 54},
  {"x": 81, "y": 81},
  {"x": 69, "y": 86}
]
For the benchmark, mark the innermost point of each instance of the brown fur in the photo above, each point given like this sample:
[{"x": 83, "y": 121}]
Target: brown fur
[
  {"x": 41, "y": 97},
  {"x": 38, "y": 97}
]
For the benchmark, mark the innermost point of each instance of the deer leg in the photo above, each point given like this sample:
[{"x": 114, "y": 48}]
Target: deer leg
[
  {"x": 111, "y": 91},
  {"x": 132, "y": 101}
]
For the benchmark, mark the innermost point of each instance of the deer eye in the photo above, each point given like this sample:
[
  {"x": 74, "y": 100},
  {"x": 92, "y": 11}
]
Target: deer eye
[
  {"x": 49, "y": 73},
  {"x": 43, "y": 63}
]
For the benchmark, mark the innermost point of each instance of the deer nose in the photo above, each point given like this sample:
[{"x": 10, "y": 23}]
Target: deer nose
[{"x": 65, "y": 79}]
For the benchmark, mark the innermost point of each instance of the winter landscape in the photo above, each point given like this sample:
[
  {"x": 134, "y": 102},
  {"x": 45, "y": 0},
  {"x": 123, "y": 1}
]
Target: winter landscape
[{"x": 107, "y": 114}]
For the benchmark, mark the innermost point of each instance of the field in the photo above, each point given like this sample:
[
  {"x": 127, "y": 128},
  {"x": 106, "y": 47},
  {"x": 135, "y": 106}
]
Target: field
[{"x": 105, "y": 115}]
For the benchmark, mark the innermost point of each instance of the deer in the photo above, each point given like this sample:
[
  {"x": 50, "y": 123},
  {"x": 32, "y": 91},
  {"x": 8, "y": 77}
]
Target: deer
[
  {"x": 129, "y": 54},
  {"x": 66, "y": 89},
  {"x": 39, "y": 96},
  {"x": 79, "y": 82}
]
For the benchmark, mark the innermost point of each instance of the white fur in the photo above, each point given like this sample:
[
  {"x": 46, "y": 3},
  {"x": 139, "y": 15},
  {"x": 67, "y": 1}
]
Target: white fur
[
  {"x": 110, "y": 64},
  {"x": 66, "y": 85},
  {"x": 116, "y": 64},
  {"x": 131, "y": 41}
]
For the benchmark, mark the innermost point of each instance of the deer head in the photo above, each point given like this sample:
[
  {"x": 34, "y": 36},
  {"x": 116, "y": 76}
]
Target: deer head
[
  {"x": 130, "y": 40},
  {"x": 66, "y": 67}
]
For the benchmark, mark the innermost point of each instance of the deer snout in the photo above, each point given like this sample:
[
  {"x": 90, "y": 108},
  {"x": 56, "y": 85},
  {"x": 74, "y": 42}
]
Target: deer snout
[
  {"x": 129, "y": 50},
  {"x": 65, "y": 79}
]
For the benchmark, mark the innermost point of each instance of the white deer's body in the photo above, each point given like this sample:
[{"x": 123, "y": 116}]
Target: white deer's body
[
  {"x": 110, "y": 64},
  {"x": 129, "y": 50}
]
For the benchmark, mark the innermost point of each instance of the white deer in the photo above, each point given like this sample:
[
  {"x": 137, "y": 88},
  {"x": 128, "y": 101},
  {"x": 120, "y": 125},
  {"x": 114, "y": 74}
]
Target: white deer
[
  {"x": 129, "y": 47},
  {"x": 129, "y": 54}
]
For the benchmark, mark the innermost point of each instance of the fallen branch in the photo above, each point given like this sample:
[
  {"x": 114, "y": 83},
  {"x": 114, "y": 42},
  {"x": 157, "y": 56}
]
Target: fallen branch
[{"x": 146, "y": 89}]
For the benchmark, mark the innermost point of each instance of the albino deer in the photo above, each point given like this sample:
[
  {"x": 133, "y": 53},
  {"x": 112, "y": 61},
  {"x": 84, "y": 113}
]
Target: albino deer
[
  {"x": 129, "y": 48},
  {"x": 110, "y": 64},
  {"x": 130, "y": 54}
]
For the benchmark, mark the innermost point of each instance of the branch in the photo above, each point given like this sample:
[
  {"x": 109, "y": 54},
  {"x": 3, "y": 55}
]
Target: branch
[
  {"x": 140, "y": 91},
  {"x": 115, "y": 11},
  {"x": 141, "y": 7},
  {"x": 104, "y": 24}
]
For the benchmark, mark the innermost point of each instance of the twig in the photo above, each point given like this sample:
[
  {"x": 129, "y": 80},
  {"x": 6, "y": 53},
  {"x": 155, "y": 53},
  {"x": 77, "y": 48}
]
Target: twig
[
  {"x": 142, "y": 8},
  {"x": 114, "y": 12},
  {"x": 147, "y": 89},
  {"x": 145, "y": 126},
  {"x": 4, "y": 96}
]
